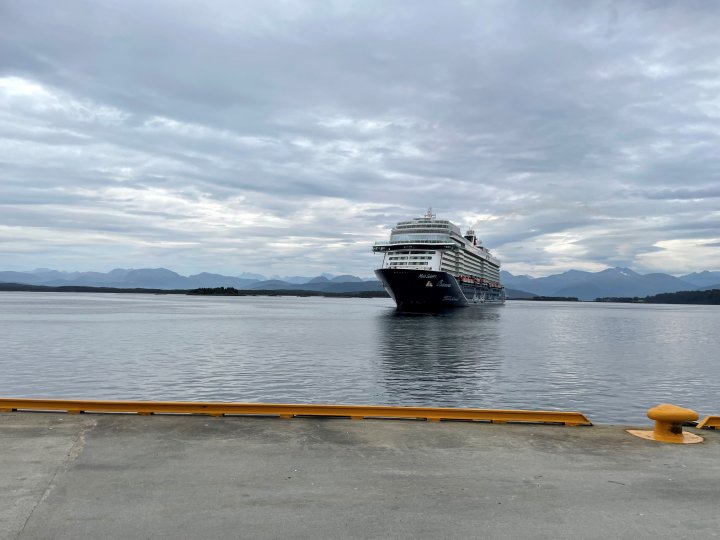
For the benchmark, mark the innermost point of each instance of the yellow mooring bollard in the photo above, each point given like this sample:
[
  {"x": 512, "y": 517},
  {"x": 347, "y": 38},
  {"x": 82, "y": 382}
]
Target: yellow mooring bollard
[{"x": 668, "y": 425}]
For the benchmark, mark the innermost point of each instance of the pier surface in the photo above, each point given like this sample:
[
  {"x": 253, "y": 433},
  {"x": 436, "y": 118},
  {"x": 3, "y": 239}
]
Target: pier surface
[{"x": 124, "y": 476}]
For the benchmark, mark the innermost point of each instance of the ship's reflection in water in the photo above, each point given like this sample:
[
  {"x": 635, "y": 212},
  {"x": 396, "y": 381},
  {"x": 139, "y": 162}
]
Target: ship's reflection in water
[{"x": 450, "y": 358}]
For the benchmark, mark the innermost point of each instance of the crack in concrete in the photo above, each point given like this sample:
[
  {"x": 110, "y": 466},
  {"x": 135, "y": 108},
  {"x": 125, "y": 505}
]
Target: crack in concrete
[{"x": 73, "y": 453}]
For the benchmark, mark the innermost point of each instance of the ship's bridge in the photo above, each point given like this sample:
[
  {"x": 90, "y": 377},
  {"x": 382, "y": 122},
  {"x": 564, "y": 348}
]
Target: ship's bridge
[
  {"x": 414, "y": 242},
  {"x": 442, "y": 234}
]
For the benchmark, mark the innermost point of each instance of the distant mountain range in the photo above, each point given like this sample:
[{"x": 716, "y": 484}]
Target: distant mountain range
[
  {"x": 613, "y": 282},
  {"x": 162, "y": 278}
]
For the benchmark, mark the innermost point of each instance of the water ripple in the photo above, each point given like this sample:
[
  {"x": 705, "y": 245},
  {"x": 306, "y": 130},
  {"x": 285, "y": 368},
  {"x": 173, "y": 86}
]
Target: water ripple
[{"x": 610, "y": 361}]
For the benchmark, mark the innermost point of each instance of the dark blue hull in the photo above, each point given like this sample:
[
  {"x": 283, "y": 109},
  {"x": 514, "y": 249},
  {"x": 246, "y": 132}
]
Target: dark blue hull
[{"x": 423, "y": 290}]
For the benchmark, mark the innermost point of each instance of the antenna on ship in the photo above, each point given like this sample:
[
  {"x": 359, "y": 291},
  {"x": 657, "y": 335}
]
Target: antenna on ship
[{"x": 429, "y": 213}]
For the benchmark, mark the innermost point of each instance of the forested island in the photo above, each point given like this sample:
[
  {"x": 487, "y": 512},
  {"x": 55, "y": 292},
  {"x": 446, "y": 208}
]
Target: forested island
[
  {"x": 555, "y": 298},
  {"x": 215, "y": 291},
  {"x": 85, "y": 289},
  {"x": 231, "y": 291},
  {"x": 711, "y": 297},
  {"x": 204, "y": 291}
]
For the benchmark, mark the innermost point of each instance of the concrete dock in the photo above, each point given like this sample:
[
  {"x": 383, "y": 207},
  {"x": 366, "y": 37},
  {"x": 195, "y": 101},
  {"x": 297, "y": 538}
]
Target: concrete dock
[{"x": 124, "y": 476}]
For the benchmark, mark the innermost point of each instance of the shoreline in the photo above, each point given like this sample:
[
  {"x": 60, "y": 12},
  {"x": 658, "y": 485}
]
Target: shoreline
[{"x": 21, "y": 287}]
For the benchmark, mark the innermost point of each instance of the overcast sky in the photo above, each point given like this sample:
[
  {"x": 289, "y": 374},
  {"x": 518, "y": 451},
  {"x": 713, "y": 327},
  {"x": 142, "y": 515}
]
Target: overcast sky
[{"x": 287, "y": 137}]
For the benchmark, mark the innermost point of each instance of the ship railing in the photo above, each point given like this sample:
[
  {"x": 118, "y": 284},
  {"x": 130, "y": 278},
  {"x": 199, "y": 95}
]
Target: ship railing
[
  {"x": 408, "y": 242},
  {"x": 479, "y": 281}
]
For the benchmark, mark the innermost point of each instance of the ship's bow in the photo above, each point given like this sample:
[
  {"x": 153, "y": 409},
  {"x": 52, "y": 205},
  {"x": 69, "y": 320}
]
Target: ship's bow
[{"x": 421, "y": 290}]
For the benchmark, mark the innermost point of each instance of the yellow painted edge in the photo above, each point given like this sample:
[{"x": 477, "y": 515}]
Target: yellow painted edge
[
  {"x": 710, "y": 422},
  {"x": 687, "y": 438},
  {"x": 291, "y": 410}
]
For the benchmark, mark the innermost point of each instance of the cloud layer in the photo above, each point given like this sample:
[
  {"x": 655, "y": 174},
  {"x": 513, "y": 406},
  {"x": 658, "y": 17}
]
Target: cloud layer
[{"x": 287, "y": 137}]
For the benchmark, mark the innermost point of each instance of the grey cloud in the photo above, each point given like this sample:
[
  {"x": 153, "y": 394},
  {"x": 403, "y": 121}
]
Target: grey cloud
[
  {"x": 586, "y": 118},
  {"x": 682, "y": 194}
]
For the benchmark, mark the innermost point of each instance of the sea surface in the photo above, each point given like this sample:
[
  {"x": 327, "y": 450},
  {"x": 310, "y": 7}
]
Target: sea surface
[{"x": 610, "y": 361}]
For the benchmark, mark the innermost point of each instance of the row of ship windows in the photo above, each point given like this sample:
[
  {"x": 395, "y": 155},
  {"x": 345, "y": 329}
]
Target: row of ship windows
[
  {"x": 425, "y": 238},
  {"x": 416, "y": 230},
  {"x": 423, "y": 258},
  {"x": 410, "y": 224},
  {"x": 479, "y": 264},
  {"x": 466, "y": 264},
  {"x": 472, "y": 265},
  {"x": 487, "y": 272}
]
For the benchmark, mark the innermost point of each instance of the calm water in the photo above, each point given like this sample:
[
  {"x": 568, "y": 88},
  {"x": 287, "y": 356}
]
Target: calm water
[{"x": 611, "y": 361}]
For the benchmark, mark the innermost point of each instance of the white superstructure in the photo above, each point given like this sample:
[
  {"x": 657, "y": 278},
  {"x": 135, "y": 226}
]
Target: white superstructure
[{"x": 432, "y": 244}]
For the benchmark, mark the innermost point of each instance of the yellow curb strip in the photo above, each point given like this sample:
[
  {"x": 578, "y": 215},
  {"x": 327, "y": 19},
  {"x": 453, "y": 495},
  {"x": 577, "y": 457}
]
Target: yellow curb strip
[{"x": 292, "y": 410}]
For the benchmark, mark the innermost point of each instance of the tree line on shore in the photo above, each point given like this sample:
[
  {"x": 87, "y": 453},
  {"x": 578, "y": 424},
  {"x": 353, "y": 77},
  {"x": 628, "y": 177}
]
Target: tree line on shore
[
  {"x": 708, "y": 297},
  {"x": 231, "y": 291},
  {"x": 203, "y": 291},
  {"x": 711, "y": 297}
]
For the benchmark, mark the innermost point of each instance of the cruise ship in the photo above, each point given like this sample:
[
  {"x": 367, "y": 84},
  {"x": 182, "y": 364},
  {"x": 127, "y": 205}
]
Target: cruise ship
[{"x": 429, "y": 265}]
